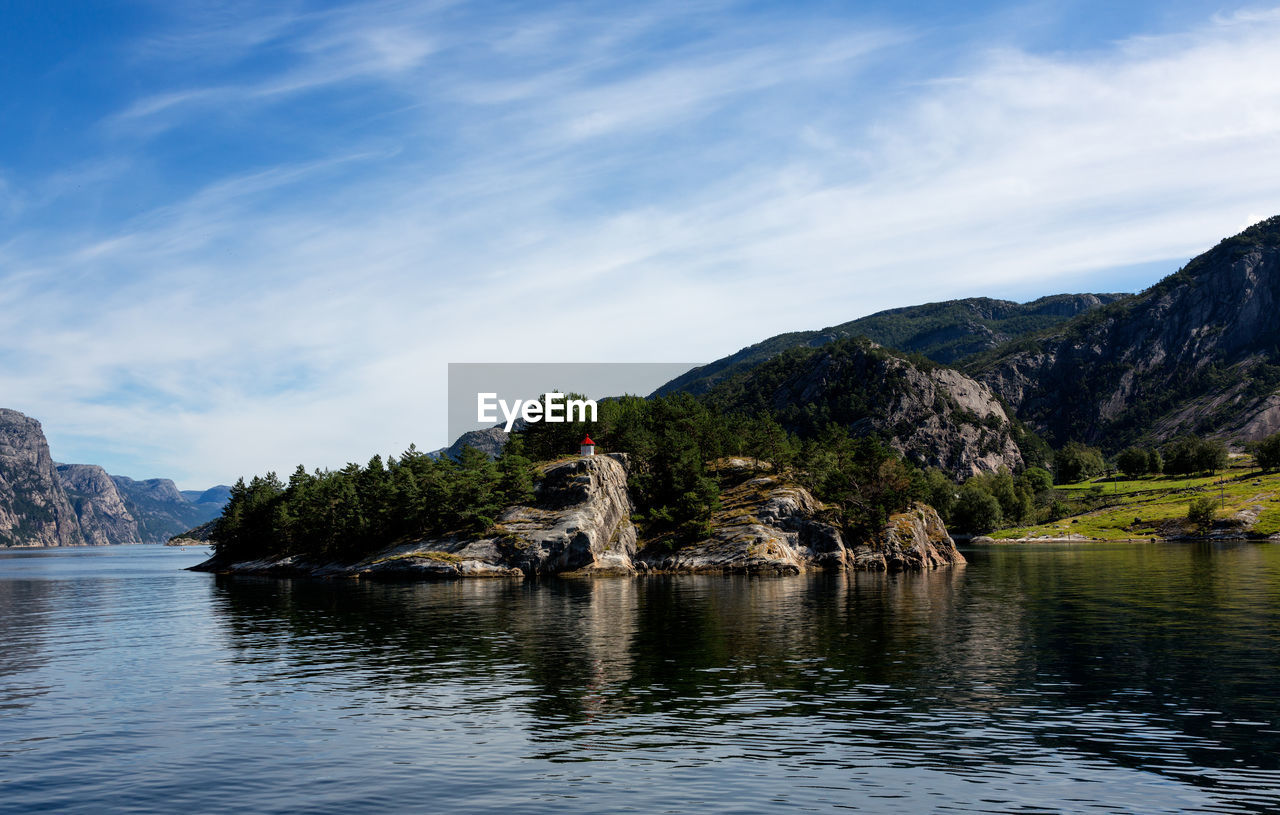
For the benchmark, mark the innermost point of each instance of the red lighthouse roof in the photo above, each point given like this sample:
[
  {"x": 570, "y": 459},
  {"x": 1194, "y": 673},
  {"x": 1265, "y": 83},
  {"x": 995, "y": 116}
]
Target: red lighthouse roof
[{"x": 588, "y": 440}]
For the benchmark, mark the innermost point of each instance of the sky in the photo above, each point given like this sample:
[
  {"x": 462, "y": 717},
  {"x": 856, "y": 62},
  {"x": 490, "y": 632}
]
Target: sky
[{"x": 235, "y": 237}]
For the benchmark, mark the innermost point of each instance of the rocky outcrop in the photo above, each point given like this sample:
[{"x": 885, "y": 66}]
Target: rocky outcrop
[
  {"x": 34, "y": 510},
  {"x": 103, "y": 516},
  {"x": 770, "y": 525},
  {"x": 912, "y": 541},
  {"x": 580, "y": 525},
  {"x": 1197, "y": 353},
  {"x": 765, "y": 525}
]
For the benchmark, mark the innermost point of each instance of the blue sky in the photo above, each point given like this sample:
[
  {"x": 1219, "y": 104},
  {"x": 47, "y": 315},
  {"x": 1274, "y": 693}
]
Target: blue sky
[{"x": 235, "y": 237}]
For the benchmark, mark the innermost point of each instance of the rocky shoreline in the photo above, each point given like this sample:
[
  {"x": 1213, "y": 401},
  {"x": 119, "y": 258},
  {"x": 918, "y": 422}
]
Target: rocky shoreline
[{"x": 581, "y": 525}]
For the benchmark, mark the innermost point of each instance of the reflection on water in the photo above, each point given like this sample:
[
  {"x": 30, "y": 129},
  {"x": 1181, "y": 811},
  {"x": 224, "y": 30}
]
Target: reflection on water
[{"x": 1055, "y": 678}]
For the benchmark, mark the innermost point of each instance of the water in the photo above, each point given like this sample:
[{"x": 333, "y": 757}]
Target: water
[{"x": 1054, "y": 678}]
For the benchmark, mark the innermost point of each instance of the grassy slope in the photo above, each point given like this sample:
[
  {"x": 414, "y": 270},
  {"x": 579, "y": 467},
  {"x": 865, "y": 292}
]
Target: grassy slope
[{"x": 1159, "y": 502}]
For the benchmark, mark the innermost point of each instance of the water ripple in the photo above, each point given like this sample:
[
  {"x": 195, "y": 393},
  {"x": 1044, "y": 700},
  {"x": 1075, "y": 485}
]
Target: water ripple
[{"x": 1033, "y": 680}]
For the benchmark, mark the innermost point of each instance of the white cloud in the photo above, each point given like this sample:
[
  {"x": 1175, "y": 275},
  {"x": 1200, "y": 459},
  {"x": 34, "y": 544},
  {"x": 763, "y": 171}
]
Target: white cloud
[{"x": 700, "y": 197}]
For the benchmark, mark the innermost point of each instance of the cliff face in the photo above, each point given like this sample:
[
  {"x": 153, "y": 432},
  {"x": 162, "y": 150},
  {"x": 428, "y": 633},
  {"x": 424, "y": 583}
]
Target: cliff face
[
  {"x": 34, "y": 511},
  {"x": 769, "y": 525},
  {"x": 1197, "y": 353},
  {"x": 933, "y": 416},
  {"x": 101, "y": 510},
  {"x": 580, "y": 524}
]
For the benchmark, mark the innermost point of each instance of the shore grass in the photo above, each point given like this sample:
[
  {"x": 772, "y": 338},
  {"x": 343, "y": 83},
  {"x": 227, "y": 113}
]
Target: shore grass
[{"x": 1155, "y": 506}]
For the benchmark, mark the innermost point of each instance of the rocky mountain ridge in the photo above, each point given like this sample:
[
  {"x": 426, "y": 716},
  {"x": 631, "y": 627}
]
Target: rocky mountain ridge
[
  {"x": 947, "y": 332},
  {"x": 580, "y": 524},
  {"x": 934, "y": 416},
  {"x": 1197, "y": 353},
  {"x": 47, "y": 504},
  {"x": 34, "y": 510}
]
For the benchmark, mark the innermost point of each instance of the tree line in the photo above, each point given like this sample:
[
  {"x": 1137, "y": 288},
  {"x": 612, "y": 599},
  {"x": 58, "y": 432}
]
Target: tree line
[
  {"x": 670, "y": 440},
  {"x": 346, "y": 513}
]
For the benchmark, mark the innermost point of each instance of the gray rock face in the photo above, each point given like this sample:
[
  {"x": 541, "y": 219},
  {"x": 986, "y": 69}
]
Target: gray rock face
[
  {"x": 1197, "y": 353},
  {"x": 580, "y": 525},
  {"x": 580, "y": 522},
  {"x": 101, "y": 510},
  {"x": 34, "y": 511},
  {"x": 934, "y": 416},
  {"x": 912, "y": 541},
  {"x": 764, "y": 526},
  {"x": 767, "y": 525}
]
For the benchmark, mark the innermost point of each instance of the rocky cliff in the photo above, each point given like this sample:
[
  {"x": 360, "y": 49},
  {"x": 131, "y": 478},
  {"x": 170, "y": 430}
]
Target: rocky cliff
[
  {"x": 934, "y": 416},
  {"x": 1198, "y": 352},
  {"x": 767, "y": 524},
  {"x": 580, "y": 524},
  {"x": 100, "y": 509},
  {"x": 34, "y": 511}
]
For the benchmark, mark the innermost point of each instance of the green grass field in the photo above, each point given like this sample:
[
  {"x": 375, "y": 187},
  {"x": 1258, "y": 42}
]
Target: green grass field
[{"x": 1156, "y": 506}]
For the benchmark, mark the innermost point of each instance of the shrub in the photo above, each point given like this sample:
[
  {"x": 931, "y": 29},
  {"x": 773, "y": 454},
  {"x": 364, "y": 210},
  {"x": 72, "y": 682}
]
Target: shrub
[{"x": 1201, "y": 513}]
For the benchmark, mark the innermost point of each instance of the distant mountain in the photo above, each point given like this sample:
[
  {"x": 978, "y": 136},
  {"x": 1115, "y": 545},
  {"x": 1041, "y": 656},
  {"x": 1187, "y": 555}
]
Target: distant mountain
[
  {"x": 162, "y": 511},
  {"x": 948, "y": 333},
  {"x": 1199, "y": 352},
  {"x": 47, "y": 504},
  {"x": 34, "y": 511},
  {"x": 934, "y": 416},
  {"x": 489, "y": 441},
  {"x": 214, "y": 495}
]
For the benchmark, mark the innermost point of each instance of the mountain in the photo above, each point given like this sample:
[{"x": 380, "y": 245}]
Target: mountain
[
  {"x": 162, "y": 511},
  {"x": 934, "y": 416},
  {"x": 948, "y": 333},
  {"x": 1198, "y": 353},
  {"x": 34, "y": 511},
  {"x": 219, "y": 495},
  {"x": 47, "y": 504},
  {"x": 104, "y": 518},
  {"x": 489, "y": 441}
]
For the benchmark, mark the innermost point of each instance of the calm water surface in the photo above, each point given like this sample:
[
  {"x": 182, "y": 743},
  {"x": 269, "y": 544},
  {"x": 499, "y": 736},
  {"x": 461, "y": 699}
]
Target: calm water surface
[{"x": 1055, "y": 678}]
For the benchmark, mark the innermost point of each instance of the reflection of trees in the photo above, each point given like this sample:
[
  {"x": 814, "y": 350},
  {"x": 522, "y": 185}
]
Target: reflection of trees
[
  {"x": 1087, "y": 649},
  {"x": 1147, "y": 631},
  {"x": 567, "y": 638}
]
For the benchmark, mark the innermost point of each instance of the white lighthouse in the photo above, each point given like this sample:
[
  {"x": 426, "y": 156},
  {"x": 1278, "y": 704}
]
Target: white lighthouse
[{"x": 587, "y": 448}]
